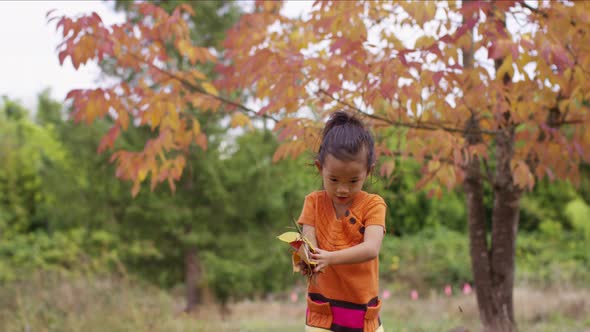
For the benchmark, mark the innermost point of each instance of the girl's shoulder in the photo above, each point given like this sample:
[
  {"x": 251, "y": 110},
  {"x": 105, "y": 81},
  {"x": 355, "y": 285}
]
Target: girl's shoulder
[
  {"x": 367, "y": 200},
  {"x": 315, "y": 194},
  {"x": 317, "y": 197}
]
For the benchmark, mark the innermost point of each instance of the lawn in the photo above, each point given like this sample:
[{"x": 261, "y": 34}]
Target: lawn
[{"x": 92, "y": 304}]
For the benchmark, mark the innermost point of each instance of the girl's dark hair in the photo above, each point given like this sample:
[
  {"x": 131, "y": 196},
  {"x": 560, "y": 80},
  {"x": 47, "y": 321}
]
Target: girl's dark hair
[{"x": 343, "y": 137}]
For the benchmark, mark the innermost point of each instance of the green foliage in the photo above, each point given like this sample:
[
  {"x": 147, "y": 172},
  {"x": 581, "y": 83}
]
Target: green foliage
[
  {"x": 546, "y": 202},
  {"x": 578, "y": 213},
  {"x": 61, "y": 251},
  {"x": 249, "y": 266},
  {"x": 246, "y": 259},
  {"x": 436, "y": 257},
  {"x": 24, "y": 149},
  {"x": 559, "y": 259},
  {"x": 432, "y": 258},
  {"x": 410, "y": 210},
  {"x": 551, "y": 229}
]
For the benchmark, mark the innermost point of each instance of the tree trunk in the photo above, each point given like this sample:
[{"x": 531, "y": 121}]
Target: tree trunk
[
  {"x": 493, "y": 267},
  {"x": 192, "y": 277}
]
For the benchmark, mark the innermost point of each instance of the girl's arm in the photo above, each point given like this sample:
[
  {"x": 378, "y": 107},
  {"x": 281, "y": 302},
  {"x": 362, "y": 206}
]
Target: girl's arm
[
  {"x": 362, "y": 252},
  {"x": 309, "y": 233}
]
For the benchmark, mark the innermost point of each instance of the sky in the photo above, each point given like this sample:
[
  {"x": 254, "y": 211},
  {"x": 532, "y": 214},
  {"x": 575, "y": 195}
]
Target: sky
[{"x": 28, "y": 60}]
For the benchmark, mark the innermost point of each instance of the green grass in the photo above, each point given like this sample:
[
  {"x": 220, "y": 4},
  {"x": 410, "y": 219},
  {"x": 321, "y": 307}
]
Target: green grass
[{"x": 88, "y": 303}]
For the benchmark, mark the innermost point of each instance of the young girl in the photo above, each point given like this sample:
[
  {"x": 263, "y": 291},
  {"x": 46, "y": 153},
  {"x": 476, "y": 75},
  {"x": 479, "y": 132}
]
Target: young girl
[{"x": 346, "y": 225}]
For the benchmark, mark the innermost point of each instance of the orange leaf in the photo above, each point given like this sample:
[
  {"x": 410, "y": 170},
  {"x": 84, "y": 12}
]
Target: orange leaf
[
  {"x": 201, "y": 140},
  {"x": 108, "y": 140},
  {"x": 522, "y": 175},
  {"x": 387, "y": 167}
]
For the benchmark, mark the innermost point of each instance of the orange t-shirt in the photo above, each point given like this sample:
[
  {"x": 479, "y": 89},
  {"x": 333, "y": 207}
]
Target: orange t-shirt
[{"x": 356, "y": 283}]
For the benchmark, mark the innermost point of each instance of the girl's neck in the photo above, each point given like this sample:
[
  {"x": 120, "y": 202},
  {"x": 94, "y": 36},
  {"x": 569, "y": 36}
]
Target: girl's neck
[{"x": 340, "y": 209}]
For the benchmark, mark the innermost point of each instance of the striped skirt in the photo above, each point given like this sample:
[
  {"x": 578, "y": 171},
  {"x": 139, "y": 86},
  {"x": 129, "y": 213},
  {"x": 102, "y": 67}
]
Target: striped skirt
[{"x": 325, "y": 314}]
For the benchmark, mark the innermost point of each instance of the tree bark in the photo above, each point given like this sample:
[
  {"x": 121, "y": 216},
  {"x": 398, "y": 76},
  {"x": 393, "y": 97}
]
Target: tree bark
[
  {"x": 493, "y": 266},
  {"x": 506, "y": 212},
  {"x": 192, "y": 276}
]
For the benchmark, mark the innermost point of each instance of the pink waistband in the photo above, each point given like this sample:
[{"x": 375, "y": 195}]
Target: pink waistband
[{"x": 346, "y": 317}]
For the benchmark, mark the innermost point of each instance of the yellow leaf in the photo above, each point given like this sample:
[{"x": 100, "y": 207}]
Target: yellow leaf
[
  {"x": 209, "y": 88},
  {"x": 422, "y": 12},
  {"x": 289, "y": 237},
  {"x": 186, "y": 49},
  {"x": 124, "y": 119},
  {"x": 433, "y": 165},
  {"x": 198, "y": 74},
  {"x": 91, "y": 112},
  {"x": 155, "y": 117},
  {"x": 424, "y": 41},
  {"x": 304, "y": 253},
  {"x": 142, "y": 174},
  {"x": 308, "y": 243},
  {"x": 296, "y": 262},
  {"x": 505, "y": 68},
  {"x": 239, "y": 120}
]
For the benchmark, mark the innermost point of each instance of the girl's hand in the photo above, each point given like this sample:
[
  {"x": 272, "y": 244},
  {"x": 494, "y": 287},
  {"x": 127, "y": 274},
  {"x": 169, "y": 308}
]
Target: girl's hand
[
  {"x": 323, "y": 258},
  {"x": 304, "y": 269}
]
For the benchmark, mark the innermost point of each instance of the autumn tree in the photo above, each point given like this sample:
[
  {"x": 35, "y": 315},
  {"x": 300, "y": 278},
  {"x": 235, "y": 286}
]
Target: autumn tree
[
  {"x": 161, "y": 97},
  {"x": 482, "y": 93},
  {"x": 165, "y": 86}
]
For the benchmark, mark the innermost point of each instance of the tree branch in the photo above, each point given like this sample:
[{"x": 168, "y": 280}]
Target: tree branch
[
  {"x": 534, "y": 10},
  {"x": 405, "y": 124},
  {"x": 542, "y": 13},
  {"x": 202, "y": 91},
  {"x": 572, "y": 122}
]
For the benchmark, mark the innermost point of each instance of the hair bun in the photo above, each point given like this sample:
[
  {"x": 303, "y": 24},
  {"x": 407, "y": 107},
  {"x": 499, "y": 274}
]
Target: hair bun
[{"x": 340, "y": 118}]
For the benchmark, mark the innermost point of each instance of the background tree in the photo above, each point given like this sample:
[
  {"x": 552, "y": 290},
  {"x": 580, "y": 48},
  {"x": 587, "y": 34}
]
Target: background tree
[
  {"x": 21, "y": 160},
  {"x": 157, "y": 84},
  {"x": 164, "y": 45}
]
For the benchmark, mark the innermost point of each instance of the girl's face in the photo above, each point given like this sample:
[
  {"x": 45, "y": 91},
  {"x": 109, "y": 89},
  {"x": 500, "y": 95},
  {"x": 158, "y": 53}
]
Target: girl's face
[{"x": 343, "y": 178}]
